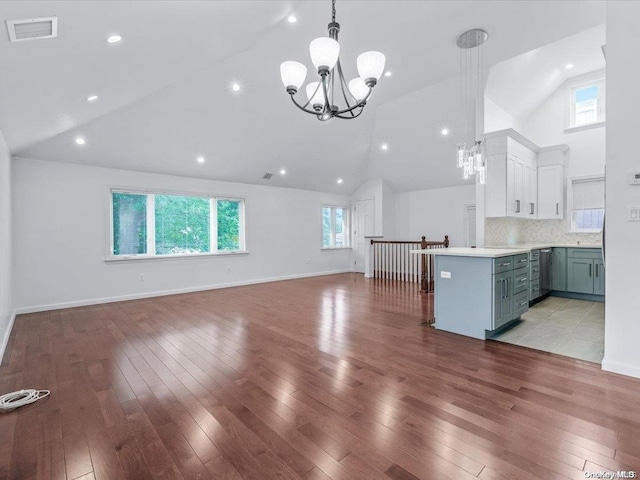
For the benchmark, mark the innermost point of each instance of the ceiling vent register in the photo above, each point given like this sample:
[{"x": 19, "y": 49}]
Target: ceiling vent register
[
  {"x": 267, "y": 176},
  {"x": 32, "y": 29}
]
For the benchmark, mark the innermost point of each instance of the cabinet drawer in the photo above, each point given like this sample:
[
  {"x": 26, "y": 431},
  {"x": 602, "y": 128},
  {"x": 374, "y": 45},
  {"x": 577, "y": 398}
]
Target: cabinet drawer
[
  {"x": 503, "y": 264},
  {"x": 584, "y": 253},
  {"x": 521, "y": 260},
  {"x": 534, "y": 256},
  {"x": 521, "y": 280},
  {"x": 535, "y": 290},
  {"x": 520, "y": 303},
  {"x": 534, "y": 270}
]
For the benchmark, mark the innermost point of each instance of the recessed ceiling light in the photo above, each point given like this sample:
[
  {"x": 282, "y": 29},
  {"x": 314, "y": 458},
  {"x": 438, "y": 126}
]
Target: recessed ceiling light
[
  {"x": 92, "y": 98},
  {"x": 569, "y": 66},
  {"x": 292, "y": 19},
  {"x": 114, "y": 39},
  {"x": 200, "y": 159},
  {"x": 235, "y": 87},
  {"x": 387, "y": 73},
  {"x": 80, "y": 141},
  {"x": 283, "y": 171},
  {"x": 445, "y": 131},
  {"x": 339, "y": 180},
  {"x": 384, "y": 146}
]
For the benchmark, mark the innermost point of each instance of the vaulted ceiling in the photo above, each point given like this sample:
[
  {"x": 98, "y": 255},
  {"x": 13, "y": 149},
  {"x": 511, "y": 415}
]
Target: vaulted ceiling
[{"x": 165, "y": 92}]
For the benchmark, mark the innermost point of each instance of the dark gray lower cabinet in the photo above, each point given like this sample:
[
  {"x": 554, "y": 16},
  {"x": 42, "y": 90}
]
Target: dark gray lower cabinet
[
  {"x": 502, "y": 298},
  {"x": 585, "y": 271},
  {"x": 559, "y": 269},
  {"x": 598, "y": 281}
]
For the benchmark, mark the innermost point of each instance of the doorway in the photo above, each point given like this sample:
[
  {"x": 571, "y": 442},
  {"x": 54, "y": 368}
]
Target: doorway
[{"x": 362, "y": 228}]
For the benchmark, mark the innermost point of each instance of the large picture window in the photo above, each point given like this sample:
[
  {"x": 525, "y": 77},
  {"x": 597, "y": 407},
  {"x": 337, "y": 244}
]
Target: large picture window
[
  {"x": 335, "y": 227},
  {"x": 162, "y": 224}
]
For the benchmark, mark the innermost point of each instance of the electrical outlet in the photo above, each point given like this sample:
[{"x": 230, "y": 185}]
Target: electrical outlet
[
  {"x": 445, "y": 274},
  {"x": 142, "y": 277},
  {"x": 634, "y": 214}
]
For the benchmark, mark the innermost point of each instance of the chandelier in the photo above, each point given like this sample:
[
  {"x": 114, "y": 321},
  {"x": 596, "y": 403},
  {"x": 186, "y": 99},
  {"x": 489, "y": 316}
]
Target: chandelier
[
  {"x": 470, "y": 155},
  {"x": 323, "y": 96}
]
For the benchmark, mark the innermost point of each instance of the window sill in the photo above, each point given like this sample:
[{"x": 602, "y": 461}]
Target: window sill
[
  {"x": 335, "y": 248},
  {"x": 585, "y": 127},
  {"x": 144, "y": 258}
]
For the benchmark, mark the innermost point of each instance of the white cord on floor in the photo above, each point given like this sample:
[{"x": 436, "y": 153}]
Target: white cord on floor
[{"x": 20, "y": 398}]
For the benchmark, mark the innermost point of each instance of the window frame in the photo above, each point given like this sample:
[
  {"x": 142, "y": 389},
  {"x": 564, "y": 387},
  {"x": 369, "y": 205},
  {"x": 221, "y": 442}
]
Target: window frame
[
  {"x": 151, "y": 233},
  {"x": 598, "y": 79},
  {"x": 570, "y": 182},
  {"x": 347, "y": 227}
]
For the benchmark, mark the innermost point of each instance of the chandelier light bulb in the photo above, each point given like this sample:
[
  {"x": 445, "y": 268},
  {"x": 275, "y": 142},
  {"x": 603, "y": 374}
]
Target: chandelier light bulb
[
  {"x": 358, "y": 88},
  {"x": 324, "y": 53},
  {"x": 293, "y": 75},
  {"x": 371, "y": 66},
  {"x": 315, "y": 93}
]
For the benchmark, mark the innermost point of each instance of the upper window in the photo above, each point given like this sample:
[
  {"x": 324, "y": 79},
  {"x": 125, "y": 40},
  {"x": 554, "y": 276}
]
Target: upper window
[
  {"x": 586, "y": 203},
  {"x": 335, "y": 231},
  {"x": 160, "y": 224},
  {"x": 586, "y": 100}
]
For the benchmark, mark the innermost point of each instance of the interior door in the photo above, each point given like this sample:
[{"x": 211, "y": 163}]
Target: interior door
[{"x": 362, "y": 227}]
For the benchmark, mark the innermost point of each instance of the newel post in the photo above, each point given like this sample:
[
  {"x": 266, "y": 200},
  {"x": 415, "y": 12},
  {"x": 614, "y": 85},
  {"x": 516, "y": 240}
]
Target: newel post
[{"x": 423, "y": 266}]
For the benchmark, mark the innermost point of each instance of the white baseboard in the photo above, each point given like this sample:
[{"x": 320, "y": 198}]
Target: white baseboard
[
  {"x": 136, "y": 296},
  {"x": 7, "y": 334},
  {"x": 621, "y": 368}
]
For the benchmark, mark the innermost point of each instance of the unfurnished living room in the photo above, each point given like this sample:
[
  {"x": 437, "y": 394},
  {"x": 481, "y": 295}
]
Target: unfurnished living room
[{"x": 319, "y": 239}]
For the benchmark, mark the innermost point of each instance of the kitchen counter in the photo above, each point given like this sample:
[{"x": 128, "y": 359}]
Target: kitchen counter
[
  {"x": 536, "y": 246},
  {"x": 494, "y": 252}
]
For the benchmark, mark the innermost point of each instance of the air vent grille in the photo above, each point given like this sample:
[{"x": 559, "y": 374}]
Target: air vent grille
[
  {"x": 267, "y": 176},
  {"x": 32, "y": 29}
]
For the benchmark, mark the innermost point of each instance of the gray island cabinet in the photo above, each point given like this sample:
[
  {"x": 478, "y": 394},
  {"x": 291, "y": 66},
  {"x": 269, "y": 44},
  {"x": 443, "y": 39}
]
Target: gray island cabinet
[{"x": 477, "y": 290}]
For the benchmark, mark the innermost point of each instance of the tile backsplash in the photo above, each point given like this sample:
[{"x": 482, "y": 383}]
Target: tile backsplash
[{"x": 511, "y": 231}]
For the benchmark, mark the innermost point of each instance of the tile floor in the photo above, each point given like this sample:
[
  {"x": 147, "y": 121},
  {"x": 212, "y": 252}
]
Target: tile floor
[{"x": 574, "y": 328}]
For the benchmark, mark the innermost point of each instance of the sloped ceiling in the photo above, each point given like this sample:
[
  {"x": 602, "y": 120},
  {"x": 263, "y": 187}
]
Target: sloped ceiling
[{"x": 165, "y": 94}]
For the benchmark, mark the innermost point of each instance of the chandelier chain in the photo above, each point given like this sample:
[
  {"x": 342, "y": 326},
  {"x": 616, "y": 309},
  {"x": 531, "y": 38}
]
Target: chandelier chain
[{"x": 333, "y": 11}]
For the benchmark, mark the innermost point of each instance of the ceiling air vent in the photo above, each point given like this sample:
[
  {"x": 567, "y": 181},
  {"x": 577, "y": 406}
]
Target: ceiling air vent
[
  {"x": 267, "y": 176},
  {"x": 32, "y": 28}
]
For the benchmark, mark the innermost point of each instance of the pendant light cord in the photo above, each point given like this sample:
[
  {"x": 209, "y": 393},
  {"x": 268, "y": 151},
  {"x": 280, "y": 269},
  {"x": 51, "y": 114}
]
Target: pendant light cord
[{"x": 333, "y": 11}]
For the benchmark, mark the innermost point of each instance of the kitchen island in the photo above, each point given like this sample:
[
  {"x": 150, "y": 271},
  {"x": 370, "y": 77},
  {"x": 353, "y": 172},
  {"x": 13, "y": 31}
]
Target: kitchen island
[{"x": 479, "y": 290}]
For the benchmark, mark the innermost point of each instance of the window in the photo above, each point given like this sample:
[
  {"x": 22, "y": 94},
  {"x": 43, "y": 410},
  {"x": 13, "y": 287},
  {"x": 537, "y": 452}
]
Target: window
[
  {"x": 335, "y": 230},
  {"x": 586, "y": 203},
  {"x": 161, "y": 224},
  {"x": 586, "y": 100}
]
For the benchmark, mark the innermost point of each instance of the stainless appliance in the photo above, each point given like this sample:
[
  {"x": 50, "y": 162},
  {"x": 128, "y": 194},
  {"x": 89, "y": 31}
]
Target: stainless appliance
[{"x": 545, "y": 271}]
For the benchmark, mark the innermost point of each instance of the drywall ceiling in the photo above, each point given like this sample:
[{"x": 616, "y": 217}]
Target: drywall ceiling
[
  {"x": 165, "y": 95},
  {"x": 521, "y": 84}
]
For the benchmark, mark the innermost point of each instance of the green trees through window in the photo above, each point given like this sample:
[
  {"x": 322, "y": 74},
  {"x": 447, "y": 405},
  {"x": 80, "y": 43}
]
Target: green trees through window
[
  {"x": 334, "y": 227},
  {"x": 180, "y": 224}
]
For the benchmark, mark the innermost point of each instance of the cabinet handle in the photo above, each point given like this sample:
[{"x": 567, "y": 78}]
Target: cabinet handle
[
  {"x": 517, "y": 206},
  {"x": 596, "y": 269},
  {"x": 531, "y": 212},
  {"x": 524, "y": 279},
  {"x": 503, "y": 284},
  {"x": 524, "y": 260},
  {"x": 590, "y": 267},
  {"x": 505, "y": 264},
  {"x": 557, "y": 209},
  {"x": 523, "y": 304}
]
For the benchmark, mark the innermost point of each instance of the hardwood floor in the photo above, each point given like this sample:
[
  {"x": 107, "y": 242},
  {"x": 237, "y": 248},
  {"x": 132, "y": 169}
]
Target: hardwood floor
[{"x": 327, "y": 377}]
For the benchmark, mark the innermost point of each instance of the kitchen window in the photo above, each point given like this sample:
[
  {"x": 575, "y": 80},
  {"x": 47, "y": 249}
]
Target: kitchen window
[
  {"x": 335, "y": 227},
  {"x": 586, "y": 101},
  {"x": 585, "y": 196},
  {"x": 147, "y": 225}
]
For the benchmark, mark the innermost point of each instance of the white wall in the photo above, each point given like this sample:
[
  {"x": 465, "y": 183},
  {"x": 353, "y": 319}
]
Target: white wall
[
  {"x": 496, "y": 118},
  {"x": 6, "y": 306},
  {"x": 622, "y": 321},
  {"x": 61, "y": 221},
  {"x": 433, "y": 213},
  {"x": 383, "y": 205},
  {"x": 546, "y": 125}
]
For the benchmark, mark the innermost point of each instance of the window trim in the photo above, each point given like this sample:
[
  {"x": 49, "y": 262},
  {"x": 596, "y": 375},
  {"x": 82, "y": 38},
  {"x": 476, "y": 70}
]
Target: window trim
[
  {"x": 570, "y": 181},
  {"x": 594, "y": 78},
  {"x": 347, "y": 235},
  {"x": 151, "y": 193}
]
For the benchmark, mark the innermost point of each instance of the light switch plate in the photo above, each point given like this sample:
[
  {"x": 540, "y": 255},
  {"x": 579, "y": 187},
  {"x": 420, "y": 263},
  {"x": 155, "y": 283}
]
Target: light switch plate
[
  {"x": 445, "y": 274},
  {"x": 634, "y": 214}
]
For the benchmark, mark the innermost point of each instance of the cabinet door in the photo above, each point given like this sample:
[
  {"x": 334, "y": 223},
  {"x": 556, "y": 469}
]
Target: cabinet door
[
  {"x": 511, "y": 191},
  {"x": 580, "y": 275},
  {"x": 551, "y": 192},
  {"x": 531, "y": 178},
  {"x": 518, "y": 186},
  {"x": 559, "y": 269},
  {"x": 598, "y": 279},
  {"x": 502, "y": 305}
]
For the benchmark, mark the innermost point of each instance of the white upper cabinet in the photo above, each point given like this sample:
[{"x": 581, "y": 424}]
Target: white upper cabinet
[{"x": 516, "y": 185}]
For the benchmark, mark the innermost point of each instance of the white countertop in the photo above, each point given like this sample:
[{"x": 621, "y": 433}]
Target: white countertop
[
  {"x": 473, "y": 252},
  {"x": 536, "y": 246}
]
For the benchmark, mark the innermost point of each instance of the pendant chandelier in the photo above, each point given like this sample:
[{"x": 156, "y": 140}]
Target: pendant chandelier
[
  {"x": 323, "y": 96},
  {"x": 470, "y": 155}
]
